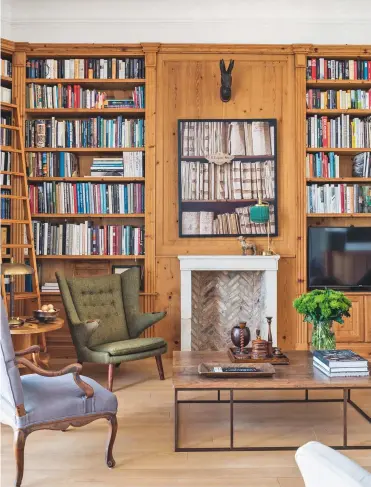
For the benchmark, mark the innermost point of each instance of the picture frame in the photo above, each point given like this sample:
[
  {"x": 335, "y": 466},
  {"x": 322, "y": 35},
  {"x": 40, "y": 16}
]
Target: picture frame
[
  {"x": 119, "y": 269},
  {"x": 224, "y": 167}
]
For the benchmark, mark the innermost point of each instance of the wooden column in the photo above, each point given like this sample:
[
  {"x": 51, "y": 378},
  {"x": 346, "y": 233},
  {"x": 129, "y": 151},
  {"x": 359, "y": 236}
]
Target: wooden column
[
  {"x": 301, "y": 208},
  {"x": 150, "y": 51}
]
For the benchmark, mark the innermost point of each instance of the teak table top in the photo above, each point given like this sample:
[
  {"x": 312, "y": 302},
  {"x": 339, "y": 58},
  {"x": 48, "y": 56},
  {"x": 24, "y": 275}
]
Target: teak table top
[
  {"x": 298, "y": 375},
  {"x": 31, "y": 328}
]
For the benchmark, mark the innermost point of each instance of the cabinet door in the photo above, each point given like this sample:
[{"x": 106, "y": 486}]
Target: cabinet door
[
  {"x": 353, "y": 329},
  {"x": 367, "y": 318}
]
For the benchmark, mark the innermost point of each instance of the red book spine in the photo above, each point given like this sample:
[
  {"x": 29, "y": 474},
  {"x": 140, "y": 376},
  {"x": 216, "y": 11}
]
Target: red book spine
[
  {"x": 75, "y": 196},
  {"x": 314, "y": 69},
  {"x": 324, "y": 132}
]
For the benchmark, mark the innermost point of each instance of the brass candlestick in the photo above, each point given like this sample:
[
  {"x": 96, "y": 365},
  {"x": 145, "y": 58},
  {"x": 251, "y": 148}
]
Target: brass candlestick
[{"x": 270, "y": 339}]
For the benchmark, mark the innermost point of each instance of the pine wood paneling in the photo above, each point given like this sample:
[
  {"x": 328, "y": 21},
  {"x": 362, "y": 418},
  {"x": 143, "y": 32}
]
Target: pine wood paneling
[{"x": 353, "y": 329}]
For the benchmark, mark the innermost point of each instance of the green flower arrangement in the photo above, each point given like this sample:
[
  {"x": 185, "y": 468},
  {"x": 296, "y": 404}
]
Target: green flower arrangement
[{"x": 321, "y": 308}]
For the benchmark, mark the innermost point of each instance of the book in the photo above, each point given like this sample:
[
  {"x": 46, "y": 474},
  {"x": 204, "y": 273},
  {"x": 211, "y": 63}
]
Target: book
[
  {"x": 5, "y": 94},
  {"x": 338, "y": 198},
  {"x": 6, "y": 67},
  {"x": 341, "y": 373},
  {"x": 361, "y": 368},
  {"x": 339, "y": 358}
]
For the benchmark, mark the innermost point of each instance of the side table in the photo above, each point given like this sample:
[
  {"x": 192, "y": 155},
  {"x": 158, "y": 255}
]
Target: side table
[{"x": 31, "y": 328}]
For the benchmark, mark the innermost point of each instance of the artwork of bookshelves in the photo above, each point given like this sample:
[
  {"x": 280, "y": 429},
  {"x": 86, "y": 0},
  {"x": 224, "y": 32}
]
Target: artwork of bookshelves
[
  {"x": 85, "y": 152},
  {"x": 338, "y": 130},
  {"x": 225, "y": 167}
]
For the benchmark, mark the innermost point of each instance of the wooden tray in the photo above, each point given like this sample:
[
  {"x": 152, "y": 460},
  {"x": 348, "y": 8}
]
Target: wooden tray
[
  {"x": 262, "y": 370},
  {"x": 246, "y": 358}
]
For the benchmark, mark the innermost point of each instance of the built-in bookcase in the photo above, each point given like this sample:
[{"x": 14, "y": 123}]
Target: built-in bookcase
[
  {"x": 338, "y": 137},
  {"x": 225, "y": 167},
  {"x": 85, "y": 110}
]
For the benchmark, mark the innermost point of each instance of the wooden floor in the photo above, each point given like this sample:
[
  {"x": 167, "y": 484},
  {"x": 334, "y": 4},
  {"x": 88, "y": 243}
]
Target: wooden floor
[{"x": 144, "y": 446}]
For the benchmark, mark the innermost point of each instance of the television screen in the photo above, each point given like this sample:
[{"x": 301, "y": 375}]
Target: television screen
[{"x": 339, "y": 258}]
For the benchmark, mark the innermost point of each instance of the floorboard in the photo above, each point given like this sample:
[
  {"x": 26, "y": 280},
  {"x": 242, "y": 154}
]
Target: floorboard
[{"x": 144, "y": 446}]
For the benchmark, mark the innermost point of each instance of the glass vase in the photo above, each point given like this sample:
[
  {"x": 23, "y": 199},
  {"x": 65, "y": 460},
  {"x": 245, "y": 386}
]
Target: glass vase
[{"x": 323, "y": 338}]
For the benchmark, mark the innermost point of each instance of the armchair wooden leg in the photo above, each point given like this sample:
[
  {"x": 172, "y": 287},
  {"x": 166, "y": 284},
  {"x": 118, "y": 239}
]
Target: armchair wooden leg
[
  {"x": 19, "y": 442},
  {"x": 111, "y": 368},
  {"x": 111, "y": 440},
  {"x": 159, "y": 367}
]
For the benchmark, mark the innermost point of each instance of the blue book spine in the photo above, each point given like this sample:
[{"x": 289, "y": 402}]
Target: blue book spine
[
  {"x": 61, "y": 164},
  {"x": 126, "y": 206}
]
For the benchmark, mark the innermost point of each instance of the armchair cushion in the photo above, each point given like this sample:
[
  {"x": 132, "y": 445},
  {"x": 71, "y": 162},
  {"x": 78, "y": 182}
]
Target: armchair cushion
[
  {"x": 128, "y": 347},
  {"x": 57, "y": 398},
  {"x": 100, "y": 299}
]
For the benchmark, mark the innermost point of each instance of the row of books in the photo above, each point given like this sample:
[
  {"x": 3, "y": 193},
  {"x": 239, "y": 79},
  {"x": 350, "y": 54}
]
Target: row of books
[
  {"x": 131, "y": 164},
  {"x": 51, "y": 164},
  {"x": 237, "y": 223},
  {"x": 5, "y": 205},
  {"x": 85, "y": 198},
  {"x": 5, "y": 165},
  {"x": 323, "y": 165},
  {"x": 91, "y": 132},
  {"x": 111, "y": 68},
  {"x": 6, "y": 67},
  {"x": 361, "y": 167},
  {"x": 237, "y": 180},
  {"x": 5, "y": 94},
  {"x": 341, "y": 132},
  {"x": 5, "y": 134},
  {"x": 338, "y": 99},
  {"x": 85, "y": 238},
  {"x": 336, "y": 69},
  {"x": 340, "y": 363},
  {"x": 339, "y": 198},
  {"x": 75, "y": 96},
  {"x": 199, "y": 138}
]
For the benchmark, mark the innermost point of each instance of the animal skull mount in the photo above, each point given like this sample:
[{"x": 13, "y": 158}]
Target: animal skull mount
[{"x": 226, "y": 79}]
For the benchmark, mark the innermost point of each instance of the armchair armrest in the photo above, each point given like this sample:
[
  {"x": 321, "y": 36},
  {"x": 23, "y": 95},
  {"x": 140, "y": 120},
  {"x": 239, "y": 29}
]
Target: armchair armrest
[
  {"x": 32, "y": 349},
  {"x": 83, "y": 330},
  {"x": 74, "y": 369},
  {"x": 144, "y": 321}
]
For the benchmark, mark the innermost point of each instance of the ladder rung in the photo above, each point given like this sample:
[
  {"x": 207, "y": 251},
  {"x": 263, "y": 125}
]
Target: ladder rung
[
  {"x": 16, "y": 246},
  {"x": 8, "y": 222},
  {"x": 12, "y": 197},
  {"x": 9, "y": 127},
  {"x": 8, "y": 148},
  {"x": 18, "y": 296},
  {"x": 12, "y": 173},
  {"x": 7, "y": 106}
]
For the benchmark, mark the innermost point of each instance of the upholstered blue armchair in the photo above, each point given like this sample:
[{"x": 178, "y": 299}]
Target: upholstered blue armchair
[{"x": 48, "y": 400}]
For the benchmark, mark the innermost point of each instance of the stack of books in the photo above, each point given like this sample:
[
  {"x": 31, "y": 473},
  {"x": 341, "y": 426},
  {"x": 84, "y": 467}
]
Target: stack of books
[
  {"x": 50, "y": 287},
  {"x": 107, "y": 166},
  {"x": 340, "y": 363}
]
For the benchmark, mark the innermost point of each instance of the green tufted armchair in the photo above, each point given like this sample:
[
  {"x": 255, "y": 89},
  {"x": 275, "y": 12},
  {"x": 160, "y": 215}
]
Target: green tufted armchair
[{"x": 105, "y": 321}]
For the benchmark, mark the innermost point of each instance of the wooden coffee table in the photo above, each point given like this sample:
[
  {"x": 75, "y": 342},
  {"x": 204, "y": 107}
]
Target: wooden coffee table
[{"x": 298, "y": 376}]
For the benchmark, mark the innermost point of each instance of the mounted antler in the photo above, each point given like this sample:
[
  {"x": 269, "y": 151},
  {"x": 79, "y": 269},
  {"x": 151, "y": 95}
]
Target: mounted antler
[{"x": 226, "y": 79}]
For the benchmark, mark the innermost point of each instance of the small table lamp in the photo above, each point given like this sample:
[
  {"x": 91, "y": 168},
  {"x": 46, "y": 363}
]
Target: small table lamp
[
  {"x": 259, "y": 213},
  {"x": 13, "y": 269}
]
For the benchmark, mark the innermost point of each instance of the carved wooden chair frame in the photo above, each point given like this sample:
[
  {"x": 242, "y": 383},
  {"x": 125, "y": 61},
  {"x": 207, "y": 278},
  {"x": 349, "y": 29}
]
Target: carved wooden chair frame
[{"x": 21, "y": 434}]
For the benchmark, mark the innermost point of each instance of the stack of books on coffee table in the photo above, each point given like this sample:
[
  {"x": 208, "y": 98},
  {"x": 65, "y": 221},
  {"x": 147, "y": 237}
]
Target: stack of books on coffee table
[{"x": 340, "y": 363}]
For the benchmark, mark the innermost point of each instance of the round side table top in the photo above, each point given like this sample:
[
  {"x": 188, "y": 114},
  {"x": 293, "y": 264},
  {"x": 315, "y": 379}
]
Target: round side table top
[{"x": 31, "y": 328}]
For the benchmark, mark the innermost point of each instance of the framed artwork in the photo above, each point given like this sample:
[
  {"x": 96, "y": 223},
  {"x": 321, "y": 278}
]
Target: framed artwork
[
  {"x": 119, "y": 269},
  {"x": 224, "y": 168}
]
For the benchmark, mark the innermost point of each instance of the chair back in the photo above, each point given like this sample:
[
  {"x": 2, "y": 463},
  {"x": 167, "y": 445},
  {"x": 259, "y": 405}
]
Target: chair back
[
  {"x": 99, "y": 298},
  {"x": 11, "y": 385}
]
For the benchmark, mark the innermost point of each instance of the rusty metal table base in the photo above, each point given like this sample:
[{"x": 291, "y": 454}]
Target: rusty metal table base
[{"x": 231, "y": 401}]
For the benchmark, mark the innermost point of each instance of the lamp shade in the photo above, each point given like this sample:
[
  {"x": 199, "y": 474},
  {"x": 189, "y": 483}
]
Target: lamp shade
[
  {"x": 16, "y": 269},
  {"x": 259, "y": 213}
]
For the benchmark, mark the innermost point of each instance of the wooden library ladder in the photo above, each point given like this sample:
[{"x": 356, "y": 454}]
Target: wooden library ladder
[{"x": 20, "y": 224}]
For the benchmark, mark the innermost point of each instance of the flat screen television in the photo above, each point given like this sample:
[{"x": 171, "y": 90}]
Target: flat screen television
[{"x": 339, "y": 258}]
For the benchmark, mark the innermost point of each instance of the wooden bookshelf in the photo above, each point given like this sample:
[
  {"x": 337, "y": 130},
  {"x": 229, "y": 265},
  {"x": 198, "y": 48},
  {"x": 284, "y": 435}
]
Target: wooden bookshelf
[
  {"x": 348, "y": 151},
  {"x": 6, "y": 80},
  {"x": 115, "y": 88},
  {"x": 338, "y": 215},
  {"x": 338, "y": 111},
  {"x": 338, "y": 84},
  {"x": 349, "y": 179}
]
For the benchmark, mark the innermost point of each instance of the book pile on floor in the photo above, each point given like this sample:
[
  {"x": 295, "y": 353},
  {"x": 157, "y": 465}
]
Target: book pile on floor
[
  {"x": 50, "y": 287},
  {"x": 340, "y": 363}
]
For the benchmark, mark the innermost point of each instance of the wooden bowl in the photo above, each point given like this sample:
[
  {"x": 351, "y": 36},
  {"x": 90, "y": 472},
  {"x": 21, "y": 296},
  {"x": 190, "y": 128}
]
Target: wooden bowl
[{"x": 45, "y": 316}]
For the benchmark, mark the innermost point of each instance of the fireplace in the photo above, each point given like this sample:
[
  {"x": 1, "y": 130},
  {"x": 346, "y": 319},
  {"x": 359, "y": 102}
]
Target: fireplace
[{"x": 218, "y": 291}]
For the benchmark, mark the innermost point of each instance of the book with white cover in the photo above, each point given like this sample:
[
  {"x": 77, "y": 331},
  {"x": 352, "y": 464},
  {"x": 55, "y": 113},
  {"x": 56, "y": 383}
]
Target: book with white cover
[{"x": 348, "y": 373}]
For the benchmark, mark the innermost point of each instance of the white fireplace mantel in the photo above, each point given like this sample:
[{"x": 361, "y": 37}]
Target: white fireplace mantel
[{"x": 188, "y": 263}]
